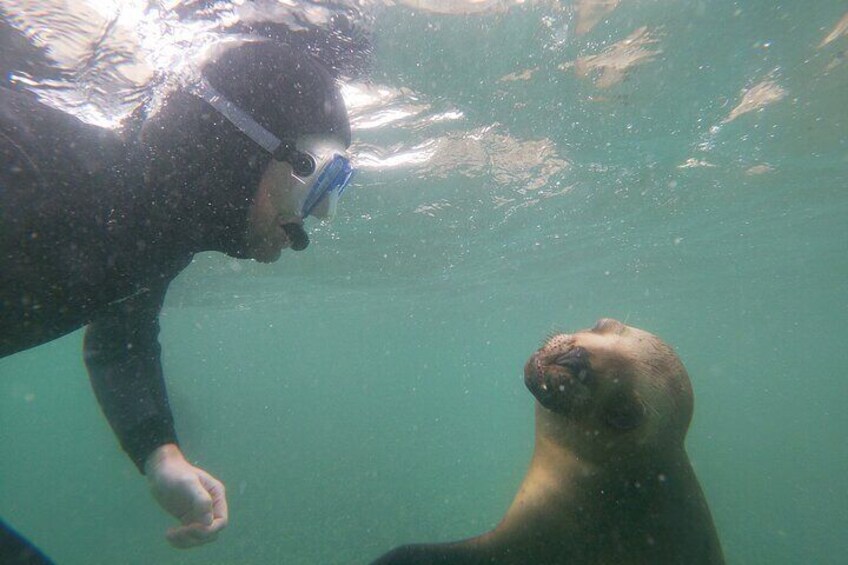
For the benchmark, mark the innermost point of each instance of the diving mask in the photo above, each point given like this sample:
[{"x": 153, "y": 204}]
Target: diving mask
[
  {"x": 320, "y": 174},
  {"x": 320, "y": 170}
]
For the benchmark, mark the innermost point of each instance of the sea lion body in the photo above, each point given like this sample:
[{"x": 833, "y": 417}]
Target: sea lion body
[{"x": 609, "y": 481}]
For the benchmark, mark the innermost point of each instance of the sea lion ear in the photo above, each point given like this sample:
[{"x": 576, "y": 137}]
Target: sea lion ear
[
  {"x": 608, "y": 325},
  {"x": 625, "y": 412}
]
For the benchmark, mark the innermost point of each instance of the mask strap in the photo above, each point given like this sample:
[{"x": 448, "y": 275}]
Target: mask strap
[{"x": 281, "y": 150}]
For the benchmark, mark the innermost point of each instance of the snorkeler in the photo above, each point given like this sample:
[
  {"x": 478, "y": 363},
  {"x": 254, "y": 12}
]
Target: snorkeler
[{"x": 94, "y": 227}]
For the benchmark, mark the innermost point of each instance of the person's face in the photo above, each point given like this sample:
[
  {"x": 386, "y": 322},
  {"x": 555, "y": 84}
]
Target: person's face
[
  {"x": 272, "y": 207},
  {"x": 280, "y": 199}
]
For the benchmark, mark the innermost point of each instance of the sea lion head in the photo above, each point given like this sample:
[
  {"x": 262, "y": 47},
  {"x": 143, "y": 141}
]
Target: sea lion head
[{"x": 612, "y": 387}]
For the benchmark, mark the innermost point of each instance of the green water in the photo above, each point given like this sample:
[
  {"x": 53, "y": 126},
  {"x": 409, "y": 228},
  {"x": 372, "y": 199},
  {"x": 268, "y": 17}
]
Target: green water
[{"x": 368, "y": 392}]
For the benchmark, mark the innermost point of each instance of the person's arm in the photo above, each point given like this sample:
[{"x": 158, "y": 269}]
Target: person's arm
[{"x": 122, "y": 354}]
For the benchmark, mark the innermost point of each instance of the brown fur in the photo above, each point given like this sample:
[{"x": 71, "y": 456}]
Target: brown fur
[{"x": 610, "y": 481}]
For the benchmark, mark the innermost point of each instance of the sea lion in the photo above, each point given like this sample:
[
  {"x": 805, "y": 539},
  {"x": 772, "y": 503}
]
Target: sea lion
[{"x": 609, "y": 481}]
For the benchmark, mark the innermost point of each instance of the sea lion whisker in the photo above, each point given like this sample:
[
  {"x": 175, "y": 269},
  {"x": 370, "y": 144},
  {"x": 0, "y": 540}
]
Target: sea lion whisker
[{"x": 549, "y": 336}]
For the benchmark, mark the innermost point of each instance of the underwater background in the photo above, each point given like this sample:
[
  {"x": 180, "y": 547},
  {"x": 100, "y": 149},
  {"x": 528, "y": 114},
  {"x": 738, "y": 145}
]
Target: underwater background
[{"x": 525, "y": 168}]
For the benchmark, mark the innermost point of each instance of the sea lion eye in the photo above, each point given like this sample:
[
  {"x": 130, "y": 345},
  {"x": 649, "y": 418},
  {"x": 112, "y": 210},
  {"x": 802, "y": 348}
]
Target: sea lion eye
[
  {"x": 608, "y": 325},
  {"x": 625, "y": 412}
]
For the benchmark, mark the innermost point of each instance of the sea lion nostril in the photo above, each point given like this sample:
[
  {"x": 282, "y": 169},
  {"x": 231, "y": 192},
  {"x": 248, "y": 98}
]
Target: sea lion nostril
[{"x": 575, "y": 360}]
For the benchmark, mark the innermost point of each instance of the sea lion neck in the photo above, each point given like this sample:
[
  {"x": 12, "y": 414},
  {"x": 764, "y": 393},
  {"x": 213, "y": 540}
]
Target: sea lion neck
[
  {"x": 569, "y": 509},
  {"x": 597, "y": 448},
  {"x": 592, "y": 442}
]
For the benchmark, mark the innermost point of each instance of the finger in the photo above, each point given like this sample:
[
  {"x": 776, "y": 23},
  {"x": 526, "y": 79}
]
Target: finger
[
  {"x": 184, "y": 537},
  {"x": 217, "y": 525},
  {"x": 200, "y": 510},
  {"x": 218, "y": 492}
]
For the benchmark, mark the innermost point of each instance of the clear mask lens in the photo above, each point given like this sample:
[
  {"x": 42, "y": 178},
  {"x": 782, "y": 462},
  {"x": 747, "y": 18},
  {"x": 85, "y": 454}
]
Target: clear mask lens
[{"x": 332, "y": 176}]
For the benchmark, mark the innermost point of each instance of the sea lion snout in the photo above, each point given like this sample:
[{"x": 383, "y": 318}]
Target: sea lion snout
[
  {"x": 532, "y": 372},
  {"x": 559, "y": 376}
]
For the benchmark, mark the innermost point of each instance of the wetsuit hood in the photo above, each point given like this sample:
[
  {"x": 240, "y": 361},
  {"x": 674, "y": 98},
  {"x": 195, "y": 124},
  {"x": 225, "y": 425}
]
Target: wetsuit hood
[{"x": 203, "y": 168}]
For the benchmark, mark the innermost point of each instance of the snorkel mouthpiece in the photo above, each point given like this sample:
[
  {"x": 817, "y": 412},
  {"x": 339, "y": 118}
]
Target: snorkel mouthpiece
[{"x": 297, "y": 235}]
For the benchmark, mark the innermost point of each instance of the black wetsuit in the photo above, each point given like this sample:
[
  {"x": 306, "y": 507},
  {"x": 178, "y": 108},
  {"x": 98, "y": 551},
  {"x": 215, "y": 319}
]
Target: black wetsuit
[
  {"x": 77, "y": 249},
  {"x": 84, "y": 241}
]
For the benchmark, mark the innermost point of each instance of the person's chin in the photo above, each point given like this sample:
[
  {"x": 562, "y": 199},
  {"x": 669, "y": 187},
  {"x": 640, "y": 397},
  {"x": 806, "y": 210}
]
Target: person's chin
[
  {"x": 269, "y": 248},
  {"x": 266, "y": 251},
  {"x": 268, "y": 256}
]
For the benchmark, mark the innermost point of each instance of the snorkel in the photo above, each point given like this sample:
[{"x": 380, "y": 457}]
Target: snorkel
[{"x": 297, "y": 236}]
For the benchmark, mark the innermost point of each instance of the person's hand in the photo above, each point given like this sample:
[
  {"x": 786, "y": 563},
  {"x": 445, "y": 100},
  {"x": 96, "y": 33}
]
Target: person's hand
[{"x": 193, "y": 496}]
